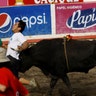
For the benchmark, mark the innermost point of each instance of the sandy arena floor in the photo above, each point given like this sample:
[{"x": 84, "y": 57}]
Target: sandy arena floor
[{"x": 83, "y": 84}]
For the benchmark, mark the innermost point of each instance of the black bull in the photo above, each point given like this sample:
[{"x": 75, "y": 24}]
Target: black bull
[{"x": 57, "y": 57}]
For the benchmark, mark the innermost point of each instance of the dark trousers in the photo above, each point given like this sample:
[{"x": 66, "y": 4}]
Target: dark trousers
[{"x": 14, "y": 66}]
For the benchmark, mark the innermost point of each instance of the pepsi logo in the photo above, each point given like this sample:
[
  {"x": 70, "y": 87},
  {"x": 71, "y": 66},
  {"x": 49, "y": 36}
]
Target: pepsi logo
[{"x": 5, "y": 22}]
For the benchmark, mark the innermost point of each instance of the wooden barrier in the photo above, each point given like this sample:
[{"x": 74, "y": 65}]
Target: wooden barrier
[{"x": 69, "y": 36}]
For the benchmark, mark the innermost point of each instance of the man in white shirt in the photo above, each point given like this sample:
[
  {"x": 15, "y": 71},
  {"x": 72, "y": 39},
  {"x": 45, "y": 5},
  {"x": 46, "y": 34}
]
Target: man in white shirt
[{"x": 16, "y": 44}]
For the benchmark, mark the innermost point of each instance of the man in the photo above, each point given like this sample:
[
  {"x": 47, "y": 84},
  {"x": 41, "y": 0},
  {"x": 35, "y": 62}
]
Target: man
[
  {"x": 9, "y": 84},
  {"x": 16, "y": 44}
]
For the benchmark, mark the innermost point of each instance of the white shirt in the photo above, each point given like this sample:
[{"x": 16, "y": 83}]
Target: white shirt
[{"x": 16, "y": 40}]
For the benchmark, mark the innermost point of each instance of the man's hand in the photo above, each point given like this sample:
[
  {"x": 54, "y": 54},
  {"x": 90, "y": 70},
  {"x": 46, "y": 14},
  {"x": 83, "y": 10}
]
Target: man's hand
[
  {"x": 2, "y": 88},
  {"x": 20, "y": 48},
  {"x": 4, "y": 46}
]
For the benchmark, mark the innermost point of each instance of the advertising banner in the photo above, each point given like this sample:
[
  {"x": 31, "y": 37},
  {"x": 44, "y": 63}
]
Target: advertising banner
[
  {"x": 75, "y": 18},
  {"x": 53, "y": 1},
  {"x": 26, "y": 2},
  {"x": 11, "y": 2},
  {"x": 3, "y": 3},
  {"x": 37, "y": 18}
]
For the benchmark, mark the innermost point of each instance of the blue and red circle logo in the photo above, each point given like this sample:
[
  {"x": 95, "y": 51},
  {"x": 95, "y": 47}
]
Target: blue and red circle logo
[{"x": 5, "y": 22}]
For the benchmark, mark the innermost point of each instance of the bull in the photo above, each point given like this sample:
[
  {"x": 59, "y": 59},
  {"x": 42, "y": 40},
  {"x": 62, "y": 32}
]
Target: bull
[{"x": 59, "y": 56}]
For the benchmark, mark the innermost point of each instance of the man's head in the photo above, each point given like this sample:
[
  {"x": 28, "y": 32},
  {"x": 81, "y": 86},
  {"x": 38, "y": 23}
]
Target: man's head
[{"x": 19, "y": 26}]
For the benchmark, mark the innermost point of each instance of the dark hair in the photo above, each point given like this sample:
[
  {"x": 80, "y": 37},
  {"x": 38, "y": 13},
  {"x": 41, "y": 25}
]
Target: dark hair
[{"x": 21, "y": 24}]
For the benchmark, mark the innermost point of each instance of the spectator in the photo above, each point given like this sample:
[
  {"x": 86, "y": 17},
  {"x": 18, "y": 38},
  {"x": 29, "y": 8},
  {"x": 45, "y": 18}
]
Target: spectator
[{"x": 10, "y": 85}]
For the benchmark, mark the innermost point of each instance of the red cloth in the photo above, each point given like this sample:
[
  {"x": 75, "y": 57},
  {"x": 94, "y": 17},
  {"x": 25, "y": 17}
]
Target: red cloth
[{"x": 14, "y": 87}]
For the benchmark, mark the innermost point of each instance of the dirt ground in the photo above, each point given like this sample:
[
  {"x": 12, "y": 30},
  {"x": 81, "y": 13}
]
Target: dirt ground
[{"x": 83, "y": 84}]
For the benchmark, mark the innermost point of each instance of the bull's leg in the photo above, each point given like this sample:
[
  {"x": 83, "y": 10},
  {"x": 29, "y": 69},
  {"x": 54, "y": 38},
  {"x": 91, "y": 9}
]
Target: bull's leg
[
  {"x": 67, "y": 82},
  {"x": 52, "y": 85}
]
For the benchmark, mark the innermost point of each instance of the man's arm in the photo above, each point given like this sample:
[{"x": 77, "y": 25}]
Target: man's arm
[
  {"x": 22, "y": 89},
  {"x": 2, "y": 88},
  {"x": 4, "y": 45},
  {"x": 24, "y": 46}
]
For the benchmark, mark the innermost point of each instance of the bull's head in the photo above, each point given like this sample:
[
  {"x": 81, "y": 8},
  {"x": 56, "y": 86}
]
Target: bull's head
[{"x": 26, "y": 60}]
